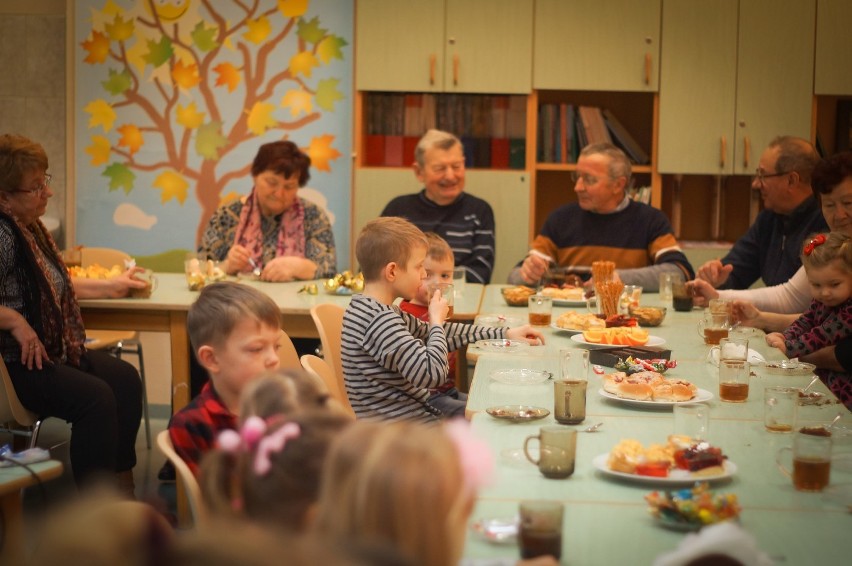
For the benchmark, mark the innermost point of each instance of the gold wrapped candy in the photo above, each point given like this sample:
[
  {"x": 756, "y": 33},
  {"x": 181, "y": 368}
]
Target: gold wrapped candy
[
  {"x": 344, "y": 283},
  {"x": 309, "y": 289}
]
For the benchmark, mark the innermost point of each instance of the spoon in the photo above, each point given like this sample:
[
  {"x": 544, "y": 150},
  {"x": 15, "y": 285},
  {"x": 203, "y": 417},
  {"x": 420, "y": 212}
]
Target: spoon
[
  {"x": 814, "y": 380},
  {"x": 256, "y": 270},
  {"x": 595, "y": 427},
  {"x": 832, "y": 423}
]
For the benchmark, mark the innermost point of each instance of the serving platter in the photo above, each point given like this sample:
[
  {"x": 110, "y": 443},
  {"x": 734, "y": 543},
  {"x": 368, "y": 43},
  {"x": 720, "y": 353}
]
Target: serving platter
[
  {"x": 675, "y": 477},
  {"x": 569, "y": 331},
  {"x": 652, "y": 341},
  {"x": 700, "y": 396},
  {"x": 569, "y": 302}
]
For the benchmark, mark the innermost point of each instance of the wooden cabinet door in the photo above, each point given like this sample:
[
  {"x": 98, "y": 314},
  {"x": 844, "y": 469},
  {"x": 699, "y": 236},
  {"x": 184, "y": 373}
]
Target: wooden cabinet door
[
  {"x": 399, "y": 45},
  {"x": 774, "y": 75},
  {"x": 832, "y": 70},
  {"x": 489, "y": 46},
  {"x": 506, "y": 191},
  {"x": 597, "y": 45},
  {"x": 697, "y": 87}
]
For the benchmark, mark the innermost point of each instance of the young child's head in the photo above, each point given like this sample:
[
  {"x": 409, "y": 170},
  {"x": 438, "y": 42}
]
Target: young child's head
[
  {"x": 828, "y": 262},
  {"x": 269, "y": 470},
  {"x": 439, "y": 266},
  {"x": 235, "y": 333},
  {"x": 404, "y": 484},
  {"x": 389, "y": 248}
]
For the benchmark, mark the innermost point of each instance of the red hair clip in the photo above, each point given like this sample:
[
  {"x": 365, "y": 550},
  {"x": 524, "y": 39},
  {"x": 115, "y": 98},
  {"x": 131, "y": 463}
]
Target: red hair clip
[{"x": 817, "y": 240}]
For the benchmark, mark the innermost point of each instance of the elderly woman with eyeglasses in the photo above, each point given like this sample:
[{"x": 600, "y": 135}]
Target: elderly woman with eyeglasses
[{"x": 41, "y": 331}]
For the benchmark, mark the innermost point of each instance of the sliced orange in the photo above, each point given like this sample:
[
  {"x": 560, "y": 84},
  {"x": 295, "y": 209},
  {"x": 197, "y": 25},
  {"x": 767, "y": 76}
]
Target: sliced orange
[
  {"x": 594, "y": 335},
  {"x": 638, "y": 337}
]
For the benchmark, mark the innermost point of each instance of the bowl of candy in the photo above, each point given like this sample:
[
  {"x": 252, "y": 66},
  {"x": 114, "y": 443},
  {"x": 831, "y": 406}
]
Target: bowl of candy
[{"x": 692, "y": 508}]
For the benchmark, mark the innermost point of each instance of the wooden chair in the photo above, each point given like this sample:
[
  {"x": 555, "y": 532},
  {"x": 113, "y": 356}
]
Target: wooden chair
[
  {"x": 287, "y": 354},
  {"x": 14, "y": 418},
  {"x": 328, "y": 319},
  {"x": 186, "y": 477},
  {"x": 117, "y": 342},
  {"x": 318, "y": 367}
]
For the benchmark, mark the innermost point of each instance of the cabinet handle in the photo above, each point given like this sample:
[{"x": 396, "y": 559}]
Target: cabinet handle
[
  {"x": 647, "y": 68},
  {"x": 723, "y": 146},
  {"x": 432, "y": 62},
  {"x": 746, "y": 151},
  {"x": 455, "y": 70}
]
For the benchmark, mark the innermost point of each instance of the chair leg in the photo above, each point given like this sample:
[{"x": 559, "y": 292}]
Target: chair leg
[
  {"x": 34, "y": 434},
  {"x": 144, "y": 394}
]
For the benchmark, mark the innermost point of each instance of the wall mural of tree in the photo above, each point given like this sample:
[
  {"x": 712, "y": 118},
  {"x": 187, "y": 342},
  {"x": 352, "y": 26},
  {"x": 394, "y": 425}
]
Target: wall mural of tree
[{"x": 173, "y": 98}]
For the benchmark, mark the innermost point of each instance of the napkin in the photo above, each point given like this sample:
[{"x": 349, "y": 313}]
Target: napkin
[
  {"x": 726, "y": 539},
  {"x": 754, "y": 357}
]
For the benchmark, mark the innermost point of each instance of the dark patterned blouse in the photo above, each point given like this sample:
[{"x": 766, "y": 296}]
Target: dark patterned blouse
[{"x": 319, "y": 240}]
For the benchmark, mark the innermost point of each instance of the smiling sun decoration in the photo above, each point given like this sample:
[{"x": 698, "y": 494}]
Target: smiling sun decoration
[{"x": 170, "y": 10}]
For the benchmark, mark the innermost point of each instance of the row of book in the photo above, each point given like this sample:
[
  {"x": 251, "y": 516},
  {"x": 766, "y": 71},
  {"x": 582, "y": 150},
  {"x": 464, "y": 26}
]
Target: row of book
[
  {"x": 565, "y": 129},
  {"x": 492, "y": 128}
]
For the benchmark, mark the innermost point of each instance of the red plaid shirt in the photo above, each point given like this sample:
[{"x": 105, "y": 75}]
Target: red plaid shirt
[
  {"x": 422, "y": 312},
  {"x": 194, "y": 428}
]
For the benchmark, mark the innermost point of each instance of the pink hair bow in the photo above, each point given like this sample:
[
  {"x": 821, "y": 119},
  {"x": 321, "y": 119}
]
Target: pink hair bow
[
  {"x": 475, "y": 456},
  {"x": 252, "y": 435}
]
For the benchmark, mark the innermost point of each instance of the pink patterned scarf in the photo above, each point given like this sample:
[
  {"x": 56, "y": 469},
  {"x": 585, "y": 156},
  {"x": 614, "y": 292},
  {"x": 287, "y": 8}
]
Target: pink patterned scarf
[{"x": 291, "y": 235}]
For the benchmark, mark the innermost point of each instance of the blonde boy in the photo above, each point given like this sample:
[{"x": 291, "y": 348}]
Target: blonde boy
[
  {"x": 235, "y": 332},
  {"x": 439, "y": 266},
  {"x": 390, "y": 358}
]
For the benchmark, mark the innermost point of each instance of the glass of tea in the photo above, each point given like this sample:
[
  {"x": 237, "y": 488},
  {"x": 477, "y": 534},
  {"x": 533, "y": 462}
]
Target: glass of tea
[
  {"x": 447, "y": 291},
  {"x": 734, "y": 370},
  {"x": 681, "y": 296},
  {"x": 540, "y": 530},
  {"x": 811, "y": 459},
  {"x": 713, "y": 327},
  {"x": 540, "y": 310}
]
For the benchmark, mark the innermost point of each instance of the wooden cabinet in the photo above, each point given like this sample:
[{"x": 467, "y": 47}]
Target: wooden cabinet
[
  {"x": 831, "y": 66},
  {"x": 507, "y": 193},
  {"x": 734, "y": 74},
  {"x": 444, "y": 45},
  {"x": 610, "y": 45}
]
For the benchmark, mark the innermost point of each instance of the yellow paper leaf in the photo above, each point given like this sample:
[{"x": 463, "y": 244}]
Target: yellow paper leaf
[
  {"x": 321, "y": 152},
  {"x": 298, "y": 101},
  {"x": 119, "y": 29},
  {"x": 228, "y": 75},
  {"x": 303, "y": 63},
  {"x": 131, "y": 137},
  {"x": 229, "y": 197},
  {"x": 258, "y": 30},
  {"x": 185, "y": 76},
  {"x": 189, "y": 117},
  {"x": 101, "y": 113},
  {"x": 173, "y": 185},
  {"x": 99, "y": 150},
  {"x": 292, "y": 8},
  {"x": 260, "y": 117}
]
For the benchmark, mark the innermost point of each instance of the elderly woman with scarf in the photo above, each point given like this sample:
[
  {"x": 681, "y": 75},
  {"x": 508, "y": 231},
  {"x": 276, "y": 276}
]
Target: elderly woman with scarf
[
  {"x": 273, "y": 230},
  {"x": 41, "y": 331}
]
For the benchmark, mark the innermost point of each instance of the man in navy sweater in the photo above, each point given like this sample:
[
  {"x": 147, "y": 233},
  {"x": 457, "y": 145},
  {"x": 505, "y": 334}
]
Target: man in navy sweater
[{"x": 771, "y": 247}]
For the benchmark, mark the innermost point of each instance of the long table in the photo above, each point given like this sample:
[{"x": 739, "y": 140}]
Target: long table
[
  {"x": 166, "y": 309},
  {"x": 606, "y": 521}
]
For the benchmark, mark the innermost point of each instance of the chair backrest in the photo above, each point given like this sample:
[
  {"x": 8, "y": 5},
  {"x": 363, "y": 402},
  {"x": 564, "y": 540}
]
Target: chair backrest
[
  {"x": 105, "y": 257},
  {"x": 287, "y": 354},
  {"x": 318, "y": 367},
  {"x": 10, "y": 406},
  {"x": 193, "y": 491},
  {"x": 328, "y": 319}
]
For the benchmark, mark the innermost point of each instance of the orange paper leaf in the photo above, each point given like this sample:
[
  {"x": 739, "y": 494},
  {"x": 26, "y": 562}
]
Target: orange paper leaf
[
  {"x": 131, "y": 138},
  {"x": 228, "y": 75},
  {"x": 185, "y": 76},
  {"x": 97, "y": 46},
  {"x": 321, "y": 152}
]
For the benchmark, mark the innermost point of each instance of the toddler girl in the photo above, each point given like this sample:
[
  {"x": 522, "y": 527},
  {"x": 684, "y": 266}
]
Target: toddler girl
[{"x": 827, "y": 259}]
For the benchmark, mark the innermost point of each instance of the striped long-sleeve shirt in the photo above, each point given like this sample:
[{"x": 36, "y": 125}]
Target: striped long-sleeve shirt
[
  {"x": 391, "y": 359},
  {"x": 467, "y": 224}
]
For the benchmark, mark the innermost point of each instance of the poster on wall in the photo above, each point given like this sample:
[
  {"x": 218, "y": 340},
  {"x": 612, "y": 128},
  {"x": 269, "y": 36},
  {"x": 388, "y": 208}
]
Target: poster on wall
[{"x": 173, "y": 98}]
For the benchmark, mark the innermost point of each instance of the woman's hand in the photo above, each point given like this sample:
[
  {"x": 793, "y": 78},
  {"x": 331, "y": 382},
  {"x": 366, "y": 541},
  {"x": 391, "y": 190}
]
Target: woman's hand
[
  {"x": 288, "y": 268},
  {"x": 122, "y": 284},
  {"x": 115, "y": 288},
  {"x": 746, "y": 314},
  {"x": 438, "y": 308},
  {"x": 237, "y": 260},
  {"x": 776, "y": 340},
  {"x": 702, "y": 292},
  {"x": 526, "y": 333},
  {"x": 32, "y": 350}
]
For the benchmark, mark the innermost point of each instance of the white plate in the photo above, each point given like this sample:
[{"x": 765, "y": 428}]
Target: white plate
[
  {"x": 501, "y": 345},
  {"x": 520, "y": 376},
  {"x": 652, "y": 341},
  {"x": 700, "y": 396},
  {"x": 503, "y": 530},
  {"x": 676, "y": 477},
  {"x": 569, "y": 303},
  {"x": 569, "y": 331}
]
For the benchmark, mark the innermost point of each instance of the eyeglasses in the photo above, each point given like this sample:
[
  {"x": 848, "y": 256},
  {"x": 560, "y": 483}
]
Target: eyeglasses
[
  {"x": 587, "y": 179},
  {"x": 760, "y": 175},
  {"x": 40, "y": 189}
]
